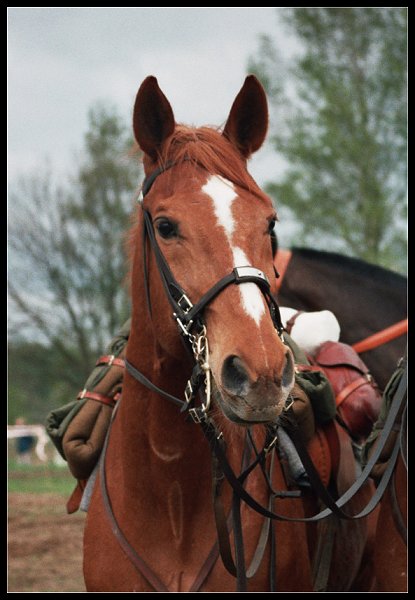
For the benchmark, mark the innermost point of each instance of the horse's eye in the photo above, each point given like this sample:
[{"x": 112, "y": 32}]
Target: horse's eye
[
  {"x": 167, "y": 229},
  {"x": 273, "y": 236},
  {"x": 271, "y": 226}
]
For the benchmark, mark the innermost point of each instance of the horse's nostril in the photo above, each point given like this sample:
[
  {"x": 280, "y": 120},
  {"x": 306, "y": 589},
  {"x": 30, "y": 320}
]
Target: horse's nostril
[
  {"x": 288, "y": 373},
  {"x": 234, "y": 376}
]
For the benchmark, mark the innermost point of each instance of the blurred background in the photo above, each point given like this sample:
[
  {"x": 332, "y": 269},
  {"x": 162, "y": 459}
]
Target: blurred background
[{"x": 335, "y": 165}]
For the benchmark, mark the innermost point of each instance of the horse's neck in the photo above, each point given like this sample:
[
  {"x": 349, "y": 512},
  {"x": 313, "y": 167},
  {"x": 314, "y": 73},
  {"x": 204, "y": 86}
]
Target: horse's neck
[{"x": 158, "y": 449}]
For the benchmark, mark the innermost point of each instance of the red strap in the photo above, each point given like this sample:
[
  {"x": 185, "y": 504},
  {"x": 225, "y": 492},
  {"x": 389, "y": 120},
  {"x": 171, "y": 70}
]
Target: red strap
[
  {"x": 281, "y": 262},
  {"x": 74, "y": 501},
  {"x": 382, "y": 337},
  {"x": 351, "y": 387},
  {"x": 98, "y": 397},
  {"x": 110, "y": 360}
]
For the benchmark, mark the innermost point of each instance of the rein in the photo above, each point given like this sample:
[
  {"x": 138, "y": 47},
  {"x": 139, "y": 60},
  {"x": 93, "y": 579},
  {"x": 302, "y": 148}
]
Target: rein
[{"x": 189, "y": 319}]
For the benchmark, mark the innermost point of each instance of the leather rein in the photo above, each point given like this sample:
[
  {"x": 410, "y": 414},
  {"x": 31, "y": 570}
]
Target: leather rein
[{"x": 190, "y": 323}]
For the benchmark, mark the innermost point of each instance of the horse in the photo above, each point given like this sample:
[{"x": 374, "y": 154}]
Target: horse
[
  {"x": 365, "y": 299},
  {"x": 203, "y": 289}
]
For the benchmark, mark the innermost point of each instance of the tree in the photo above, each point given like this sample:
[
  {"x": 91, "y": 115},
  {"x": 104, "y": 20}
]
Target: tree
[
  {"x": 66, "y": 244},
  {"x": 343, "y": 131}
]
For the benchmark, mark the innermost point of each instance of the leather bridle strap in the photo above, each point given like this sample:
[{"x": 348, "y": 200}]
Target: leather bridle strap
[
  {"x": 139, "y": 563},
  {"x": 211, "y": 435},
  {"x": 150, "y": 179},
  {"x": 141, "y": 378},
  {"x": 187, "y": 313}
]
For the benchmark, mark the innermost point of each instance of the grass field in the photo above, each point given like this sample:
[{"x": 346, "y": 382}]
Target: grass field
[
  {"x": 40, "y": 479},
  {"x": 44, "y": 542}
]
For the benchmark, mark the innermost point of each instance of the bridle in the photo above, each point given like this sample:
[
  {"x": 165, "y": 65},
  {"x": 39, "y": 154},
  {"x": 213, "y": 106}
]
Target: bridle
[
  {"x": 189, "y": 319},
  {"x": 189, "y": 316}
]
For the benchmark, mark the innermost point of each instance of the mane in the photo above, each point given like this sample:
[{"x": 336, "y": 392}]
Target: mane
[
  {"x": 355, "y": 265},
  {"x": 209, "y": 149}
]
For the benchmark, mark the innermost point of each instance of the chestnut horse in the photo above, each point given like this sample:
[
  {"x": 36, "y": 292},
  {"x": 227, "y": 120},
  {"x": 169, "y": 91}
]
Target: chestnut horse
[{"x": 154, "y": 528}]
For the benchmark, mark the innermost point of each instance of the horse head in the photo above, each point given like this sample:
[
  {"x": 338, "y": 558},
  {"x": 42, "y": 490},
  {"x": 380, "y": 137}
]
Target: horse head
[{"x": 209, "y": 217}]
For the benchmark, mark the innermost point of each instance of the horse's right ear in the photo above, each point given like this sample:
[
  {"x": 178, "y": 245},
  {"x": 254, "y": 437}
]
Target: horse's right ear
[{"x": 153, "y": 119}]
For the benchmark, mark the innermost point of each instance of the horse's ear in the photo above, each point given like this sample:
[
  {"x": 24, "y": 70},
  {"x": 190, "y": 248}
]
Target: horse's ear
[
  {"x": 247, "y": 123},
  {"x": 153, "y": 119}
]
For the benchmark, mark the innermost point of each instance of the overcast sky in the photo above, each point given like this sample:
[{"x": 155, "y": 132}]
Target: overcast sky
[{"x": 63, "y": 60}]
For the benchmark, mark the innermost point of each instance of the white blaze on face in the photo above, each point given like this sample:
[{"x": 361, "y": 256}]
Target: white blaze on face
[{"x": 223, "y": 194}]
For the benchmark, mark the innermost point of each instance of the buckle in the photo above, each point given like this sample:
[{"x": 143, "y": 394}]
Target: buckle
[
  {"x": 197, "y": 414},
  {"x": 185, "y": 329},
  {"x": 242, "y": 273},
  {"x": 188, "y": 392},
  {"x": 188, "y": 304},
  {"x": 271, "y": 444}
]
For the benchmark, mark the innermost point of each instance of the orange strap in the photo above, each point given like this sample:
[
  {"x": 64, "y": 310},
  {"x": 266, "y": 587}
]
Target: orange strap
[
  {"x": 110, "y": 360},
  {"x": 382, "y": 337},
  {"x": 351, "y": 387},
  {"x": 281, "y": 262},
  {"x": 98, "y": 397}
]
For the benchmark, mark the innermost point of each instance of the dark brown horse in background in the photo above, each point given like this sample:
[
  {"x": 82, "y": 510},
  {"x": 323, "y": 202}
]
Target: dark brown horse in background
[{"x": 151, "y": 527}]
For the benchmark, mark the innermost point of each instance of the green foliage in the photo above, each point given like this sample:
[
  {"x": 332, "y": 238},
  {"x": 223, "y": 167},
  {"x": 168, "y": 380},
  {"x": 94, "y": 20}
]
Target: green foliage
[
  {"x": 343, "y": 131},
  {"x": 36, "y": 382},
  {"x": 67, "y": 267}
]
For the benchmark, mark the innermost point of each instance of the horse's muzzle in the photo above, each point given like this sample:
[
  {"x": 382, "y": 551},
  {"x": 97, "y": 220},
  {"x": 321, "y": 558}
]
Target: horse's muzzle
[{"x": 245, "y": 401}]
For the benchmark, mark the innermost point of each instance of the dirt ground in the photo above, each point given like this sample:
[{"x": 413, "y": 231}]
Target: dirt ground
[{"x": 44, "y": 544}]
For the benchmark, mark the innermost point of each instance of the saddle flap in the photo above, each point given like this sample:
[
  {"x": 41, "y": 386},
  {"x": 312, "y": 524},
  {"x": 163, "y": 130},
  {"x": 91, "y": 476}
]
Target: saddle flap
[
  {"x": 331, "y": 452},
  {"x": 336, "y": 354},
  {"x": 321, "y": 455}
]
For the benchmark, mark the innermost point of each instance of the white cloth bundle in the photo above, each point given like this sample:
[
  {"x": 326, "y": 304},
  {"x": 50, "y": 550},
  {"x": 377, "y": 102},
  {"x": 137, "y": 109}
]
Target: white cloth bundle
[{"x": 311, "y": 329}]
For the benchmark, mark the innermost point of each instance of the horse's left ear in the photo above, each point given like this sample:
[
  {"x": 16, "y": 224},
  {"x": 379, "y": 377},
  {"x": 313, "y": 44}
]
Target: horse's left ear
[{"x": 247, "y": 123}]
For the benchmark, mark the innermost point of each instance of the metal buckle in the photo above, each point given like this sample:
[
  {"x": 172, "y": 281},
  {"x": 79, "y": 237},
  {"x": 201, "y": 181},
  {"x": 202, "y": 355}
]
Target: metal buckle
[
  {"x": 185, "y": 328},
  {"x": 188, "y": 392},
  {"x": 82, "y": 394},
  {"x": 195, "y": 414},
  {"x": 248, "y": 271},
  {"x": 111, "y": 359},
  {"x": 185, "y": 309},
  {"x": 271, "y": 444}
]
